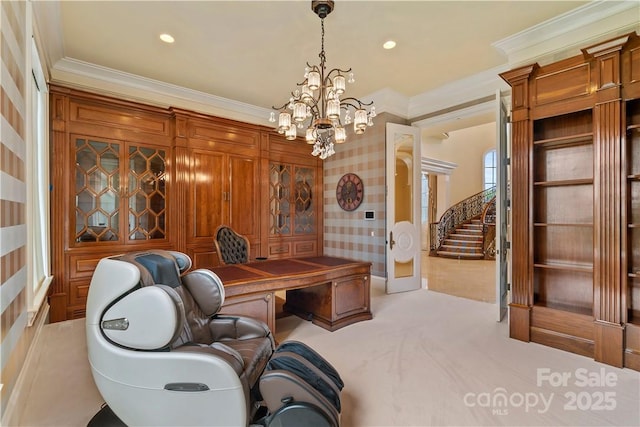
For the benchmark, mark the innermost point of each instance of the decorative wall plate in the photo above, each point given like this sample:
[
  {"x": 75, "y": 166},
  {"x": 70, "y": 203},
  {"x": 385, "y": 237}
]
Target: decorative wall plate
[{"x": 350, "y": 192}]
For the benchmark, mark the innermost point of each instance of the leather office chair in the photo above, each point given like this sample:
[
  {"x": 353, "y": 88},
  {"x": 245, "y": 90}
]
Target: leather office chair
[
  {"x": 232, "y": 248},
  {"x": 161, "y": 355}
]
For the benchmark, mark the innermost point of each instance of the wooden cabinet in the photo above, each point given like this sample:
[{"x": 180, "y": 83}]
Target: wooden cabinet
[
  {"x": 128, "y": 177},
  {"x": 109, "y": 188},
  {"x": 570, "y": 168},
  {"x": 223, "y": 183},
  {"x": 294, "y": 199}
]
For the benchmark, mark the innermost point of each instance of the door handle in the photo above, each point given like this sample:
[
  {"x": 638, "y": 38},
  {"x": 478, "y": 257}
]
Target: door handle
[{"x": 391, "y": 241}]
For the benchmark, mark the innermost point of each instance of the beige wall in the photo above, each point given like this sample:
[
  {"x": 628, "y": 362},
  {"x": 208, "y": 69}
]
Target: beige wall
[
  {"x": 347, "y": 234},
  {"x": 466, "y": 148}
]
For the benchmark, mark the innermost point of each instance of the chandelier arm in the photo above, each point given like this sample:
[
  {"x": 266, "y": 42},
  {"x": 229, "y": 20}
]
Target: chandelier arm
[
  {"x": 284, "y": 107},
  {"x": 348, "y": 101},
  {"x": 338, "y": 70}
]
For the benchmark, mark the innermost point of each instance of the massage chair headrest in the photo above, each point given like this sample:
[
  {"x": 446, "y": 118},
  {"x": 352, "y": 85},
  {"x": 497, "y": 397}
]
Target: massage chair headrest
[{"x": 153, "y": 316}]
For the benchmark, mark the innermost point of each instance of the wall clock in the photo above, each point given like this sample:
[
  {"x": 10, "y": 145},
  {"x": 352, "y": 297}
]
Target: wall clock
[{"x": 350, "y": 191}]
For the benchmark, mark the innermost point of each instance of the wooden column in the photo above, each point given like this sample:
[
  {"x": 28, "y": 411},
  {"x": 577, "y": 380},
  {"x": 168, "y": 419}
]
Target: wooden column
[
  {"x": 607, "y": 238},
  {"x": 180, "y": 181},
  {"x": 522, "y": 263},
  {"x": 59, "y": 153}
]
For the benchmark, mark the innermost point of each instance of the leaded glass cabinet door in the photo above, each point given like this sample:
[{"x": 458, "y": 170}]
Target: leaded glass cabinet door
[
  {"x": 97, "y": 190},
  {"x": 304, "y": 219},
  {"x": 279, "y": 199},
  {"x": 120, "y": 192},
  {"x": 146, "y": 193}
]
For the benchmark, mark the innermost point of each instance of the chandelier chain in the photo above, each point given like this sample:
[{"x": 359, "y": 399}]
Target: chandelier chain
[{"x": 322, "y": 55}]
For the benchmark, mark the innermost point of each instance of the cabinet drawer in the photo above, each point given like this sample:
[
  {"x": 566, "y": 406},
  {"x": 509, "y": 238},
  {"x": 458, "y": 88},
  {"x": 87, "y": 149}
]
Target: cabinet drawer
[
  {"x": 260, "y": 306},
  {"x": 78, "y": 291},
  {"x": 281, "y": 249},
  {"x": 83, "y": 265},
  {"x": 306, "y": 248}
]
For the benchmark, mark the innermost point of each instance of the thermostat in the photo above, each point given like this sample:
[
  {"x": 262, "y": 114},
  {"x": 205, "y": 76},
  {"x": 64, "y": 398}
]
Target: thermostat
[{"x": 369, "y": 215}]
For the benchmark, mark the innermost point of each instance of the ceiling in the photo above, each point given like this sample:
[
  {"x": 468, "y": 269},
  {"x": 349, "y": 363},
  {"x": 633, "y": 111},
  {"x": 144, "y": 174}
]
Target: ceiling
[{"x": 255, "y": 51}]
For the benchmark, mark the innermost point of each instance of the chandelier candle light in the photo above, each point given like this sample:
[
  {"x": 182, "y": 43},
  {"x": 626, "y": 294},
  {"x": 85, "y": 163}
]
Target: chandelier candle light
[{"x": 317, "y": 99}]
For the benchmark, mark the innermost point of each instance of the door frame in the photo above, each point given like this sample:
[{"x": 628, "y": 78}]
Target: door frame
[{"x": 408, "y": 234}]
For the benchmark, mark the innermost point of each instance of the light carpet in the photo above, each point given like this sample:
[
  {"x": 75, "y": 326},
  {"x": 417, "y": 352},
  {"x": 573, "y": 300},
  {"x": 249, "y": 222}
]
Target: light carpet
[{"x": 425, "y": 358}]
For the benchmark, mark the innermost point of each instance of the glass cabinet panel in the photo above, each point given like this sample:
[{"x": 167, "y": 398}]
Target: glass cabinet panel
[
  {"x": 304, "y": 218},
  {"x": 147, "y": 193},
  {"x": 279, "y": 205},
  {"x": 100, "y": 196},
  {"x": 97, "y": 187}
]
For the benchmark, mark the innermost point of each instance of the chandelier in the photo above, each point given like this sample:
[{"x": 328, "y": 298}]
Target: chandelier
[{"x": 317, "y": 102}]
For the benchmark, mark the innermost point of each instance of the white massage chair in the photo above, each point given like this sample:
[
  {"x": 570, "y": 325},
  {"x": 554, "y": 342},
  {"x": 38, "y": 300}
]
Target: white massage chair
[{"x": 161, "y": 355}]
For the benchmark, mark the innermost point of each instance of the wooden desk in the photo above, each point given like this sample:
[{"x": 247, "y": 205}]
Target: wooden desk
[{"x": 331, "y": 292}]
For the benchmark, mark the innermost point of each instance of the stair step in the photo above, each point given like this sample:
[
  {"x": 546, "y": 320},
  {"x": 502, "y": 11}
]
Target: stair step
[
  {"x": 467, "y": 243},
  {"x": 466, "y": 249},
  {"x": 468, "y": 231},
  {"x": 467, "y": 237},
  {"x": 472, "y": 226},
  {"x": 459, "y": 255}
]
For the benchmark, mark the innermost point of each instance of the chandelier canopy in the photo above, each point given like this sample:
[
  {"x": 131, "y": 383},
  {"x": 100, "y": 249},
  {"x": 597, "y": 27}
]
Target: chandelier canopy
[{"x": 317, "y": 102}]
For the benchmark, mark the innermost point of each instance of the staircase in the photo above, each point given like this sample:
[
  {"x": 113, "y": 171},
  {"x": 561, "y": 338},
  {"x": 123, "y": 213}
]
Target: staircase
[{"x": 464, "y": 242}]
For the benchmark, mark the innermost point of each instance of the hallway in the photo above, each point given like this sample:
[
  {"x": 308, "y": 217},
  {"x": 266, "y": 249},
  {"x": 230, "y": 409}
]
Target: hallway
[{"x": 473, "y": 279}]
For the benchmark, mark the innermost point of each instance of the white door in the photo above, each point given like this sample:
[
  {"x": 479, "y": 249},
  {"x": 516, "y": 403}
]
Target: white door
[
  {"x": 502, "y": 208},
  {"x": 403, "y": 208}
]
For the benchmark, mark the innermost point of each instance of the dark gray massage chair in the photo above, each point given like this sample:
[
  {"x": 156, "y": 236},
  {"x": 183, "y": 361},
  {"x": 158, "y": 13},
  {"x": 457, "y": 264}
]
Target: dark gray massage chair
[{"x": 161, "y": 355}]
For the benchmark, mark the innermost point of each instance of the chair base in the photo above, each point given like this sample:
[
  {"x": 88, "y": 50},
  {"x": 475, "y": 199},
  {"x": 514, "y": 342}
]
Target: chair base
[{"x": 105, "y": 418}]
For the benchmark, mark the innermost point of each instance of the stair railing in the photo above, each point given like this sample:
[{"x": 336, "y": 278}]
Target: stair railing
[
  {"x": 488, "y": 220},
  {"x": 457, "y": 214}
]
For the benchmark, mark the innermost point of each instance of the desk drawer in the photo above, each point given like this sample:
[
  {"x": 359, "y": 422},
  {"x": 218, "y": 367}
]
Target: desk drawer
[
  {"x": 260, "y": 306},
  {"x": 351, "y": 296}
]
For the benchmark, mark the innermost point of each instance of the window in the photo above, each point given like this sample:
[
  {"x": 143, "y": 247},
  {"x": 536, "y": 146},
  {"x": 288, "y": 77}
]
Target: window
[
  {"x": 39, "y": 269},
  {"x": 490, "y": 168}
]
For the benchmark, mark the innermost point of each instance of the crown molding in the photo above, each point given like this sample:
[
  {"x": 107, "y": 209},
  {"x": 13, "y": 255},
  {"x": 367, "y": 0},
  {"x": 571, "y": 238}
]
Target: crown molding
[
  {"x": 437, "y": 166},
  {"x": 47, "y": 31},
  {"x": 461, "y": 91},
  {"x": 84, "y": 75},
  {"x": 455, "y": 114},
  {"x": 389, "y": 101},
  {"x": 561, "y": 36}
]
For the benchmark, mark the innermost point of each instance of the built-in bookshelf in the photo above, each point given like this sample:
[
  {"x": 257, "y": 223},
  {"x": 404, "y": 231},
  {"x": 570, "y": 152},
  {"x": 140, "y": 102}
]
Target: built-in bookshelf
[
  {"x": 563, "y": 212},
  {"x": 576, "y": 202},
  {"x": 633, "y": 210}
]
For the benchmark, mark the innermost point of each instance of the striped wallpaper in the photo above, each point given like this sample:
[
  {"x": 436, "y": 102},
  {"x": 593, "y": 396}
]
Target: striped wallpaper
[
  {"x": 348, "y": 234},
  {"x": 15, "y": 337}
]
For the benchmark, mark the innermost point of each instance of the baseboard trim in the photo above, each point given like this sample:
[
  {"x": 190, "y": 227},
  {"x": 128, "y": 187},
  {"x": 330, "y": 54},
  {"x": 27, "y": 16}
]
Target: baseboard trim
[{"x": 17, "y": 402}]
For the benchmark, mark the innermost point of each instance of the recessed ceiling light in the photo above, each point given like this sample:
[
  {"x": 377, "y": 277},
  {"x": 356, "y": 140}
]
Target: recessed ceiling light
[
  {"x": 389, "y": 44},
  {"x": 167, "y": 38}
]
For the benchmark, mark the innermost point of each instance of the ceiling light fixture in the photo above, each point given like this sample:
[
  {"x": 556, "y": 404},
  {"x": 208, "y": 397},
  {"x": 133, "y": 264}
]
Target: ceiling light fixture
[
  {"x": 389, "y": 44},
  {"x": 167, "y": 38},
  {"x": 317, "y": 99}
]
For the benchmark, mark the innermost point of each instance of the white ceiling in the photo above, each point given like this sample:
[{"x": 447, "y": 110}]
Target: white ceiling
[
  {"x": 255, "y": 51},
  {"x": 237, "y": 59}
]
